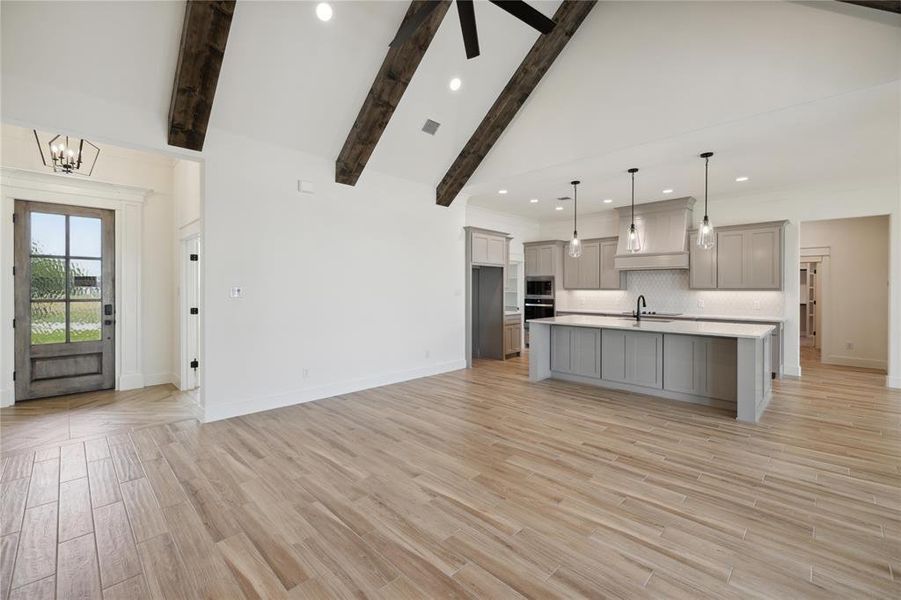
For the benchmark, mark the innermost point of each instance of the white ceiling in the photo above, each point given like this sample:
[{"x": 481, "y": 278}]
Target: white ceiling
[{"x": 782, "y": 91}]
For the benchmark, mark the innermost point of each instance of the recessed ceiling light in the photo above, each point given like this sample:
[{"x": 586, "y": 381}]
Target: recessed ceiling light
[
  {"x": 502, "y": 191},
  {"x": 739, "y": 179},
  {"x": 667, "y": 191},
  {"x": 534, "y": 200},
  {"x": 558, "y": 208},
  {"x": 455, "y": 84},
  {"x": 324, "y": 11},
  {"x": 608, "y": 200}
]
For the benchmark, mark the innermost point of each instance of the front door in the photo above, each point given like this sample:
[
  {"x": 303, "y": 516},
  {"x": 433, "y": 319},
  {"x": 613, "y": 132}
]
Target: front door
[{"x": 64, "y": 296}]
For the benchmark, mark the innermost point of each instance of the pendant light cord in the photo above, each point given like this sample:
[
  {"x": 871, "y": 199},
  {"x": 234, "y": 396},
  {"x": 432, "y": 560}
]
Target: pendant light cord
[
  {"x": 706, "y": 165},
  {"x": 575, "y": 209},
  {"x": 633, "y": 198}
]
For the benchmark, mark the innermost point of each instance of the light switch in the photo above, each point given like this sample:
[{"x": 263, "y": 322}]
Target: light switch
[
  {"x": 304, "y": 186},
  {"x": 236, "y": 292}
]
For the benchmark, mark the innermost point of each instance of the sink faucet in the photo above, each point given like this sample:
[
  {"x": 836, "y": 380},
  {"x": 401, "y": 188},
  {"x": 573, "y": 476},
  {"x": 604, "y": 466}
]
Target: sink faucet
[{"x": 638, "y": 304}]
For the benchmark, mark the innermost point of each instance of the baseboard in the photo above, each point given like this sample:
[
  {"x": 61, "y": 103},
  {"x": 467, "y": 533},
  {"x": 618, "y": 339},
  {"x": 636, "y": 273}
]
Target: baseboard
[
  {"x": 7, "y": 397},
  {"x": 853, "y": 361},
  {"x": 161, "y": 378},
  {"x": 893, "y": 382},
  {"x": 792, "y": 372},
  {"x": 130, "y": 381},
  {"x": 254, "y": 405}
]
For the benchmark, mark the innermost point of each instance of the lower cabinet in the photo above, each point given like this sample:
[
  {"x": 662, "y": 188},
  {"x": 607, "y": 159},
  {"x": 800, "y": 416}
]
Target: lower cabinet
[
  {"x": 512, "y": 339},
  {"x": 576, "y": 351},
  {"x": 700, "y": 366},
  {"x": 634, "y": 357}
]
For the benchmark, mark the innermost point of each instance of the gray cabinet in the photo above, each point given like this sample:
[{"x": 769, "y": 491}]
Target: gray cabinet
[
  {"x": 634, "y": 357},
  {"x": 489, "y": 249},
  {"x": 611, "y": 279},
  {"x": 576, "y": 351},
  {"x": 541, "y": 259},
  {"x": 749, "y": 257},
  {"x": 702, "y": 366},
  {"x": 512, "y": 335},
  {"x": 701, "y": 265},
  {"x": 583, "y": 273}
]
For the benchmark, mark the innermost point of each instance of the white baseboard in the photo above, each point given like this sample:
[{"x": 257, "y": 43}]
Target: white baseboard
[
  {"x": 7, "y": 397},
  {"x": 254, "y": 405},
  {"x": 160, "y": 378},
  {"x": 893, "y": 382},
  {"x": 792, "y": 372},
  {"x": 853, "y": 361},
  {"x": 130, "y": 381}
]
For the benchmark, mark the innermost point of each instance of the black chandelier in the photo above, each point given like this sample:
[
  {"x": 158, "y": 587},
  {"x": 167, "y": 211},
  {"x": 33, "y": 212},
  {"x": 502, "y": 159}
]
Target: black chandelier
[{"x": 69, "y": 155}]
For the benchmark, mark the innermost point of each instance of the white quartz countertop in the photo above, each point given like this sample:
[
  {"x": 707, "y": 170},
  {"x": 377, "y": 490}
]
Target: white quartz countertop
[
  {"x": 682, "y": 316},
  {"x": 705, "y": 328}
]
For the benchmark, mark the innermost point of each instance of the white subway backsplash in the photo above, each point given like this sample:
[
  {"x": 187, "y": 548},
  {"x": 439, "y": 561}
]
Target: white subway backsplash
[{"x": 668, "y": 291}]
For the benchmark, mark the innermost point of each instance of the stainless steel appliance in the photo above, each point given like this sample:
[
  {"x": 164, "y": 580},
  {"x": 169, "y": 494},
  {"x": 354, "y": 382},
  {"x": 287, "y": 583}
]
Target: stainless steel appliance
[
  {"x": 539, "y": 302},
  {"x": 539, "y": 287}
]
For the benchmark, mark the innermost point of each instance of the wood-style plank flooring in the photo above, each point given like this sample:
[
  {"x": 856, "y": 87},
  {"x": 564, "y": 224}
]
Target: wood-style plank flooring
[{"x": 470, "y": 484}]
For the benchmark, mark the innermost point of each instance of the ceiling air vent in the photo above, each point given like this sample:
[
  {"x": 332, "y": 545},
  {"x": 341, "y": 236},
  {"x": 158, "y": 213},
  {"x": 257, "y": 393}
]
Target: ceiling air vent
[
  {"x": 431, "y": 126},
  {"x": 561, "y": 198}
]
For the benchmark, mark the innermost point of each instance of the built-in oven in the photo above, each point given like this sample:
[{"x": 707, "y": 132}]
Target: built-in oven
[
  {"x": 539, "y": 287},
  {"x": 537, "y": 308}
]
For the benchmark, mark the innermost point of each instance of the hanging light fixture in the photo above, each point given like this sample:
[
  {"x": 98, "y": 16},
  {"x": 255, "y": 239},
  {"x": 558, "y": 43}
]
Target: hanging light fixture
[
  {"x": 633, "y": 243},
  {"x": 69, "y": 155},
  {"x": 706, "y": 235},
  {"x": 575, "y": 246}
]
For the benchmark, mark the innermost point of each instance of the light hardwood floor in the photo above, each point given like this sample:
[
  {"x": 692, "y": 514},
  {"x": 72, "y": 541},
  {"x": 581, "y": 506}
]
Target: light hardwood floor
[{"x": 469, "y": 484}]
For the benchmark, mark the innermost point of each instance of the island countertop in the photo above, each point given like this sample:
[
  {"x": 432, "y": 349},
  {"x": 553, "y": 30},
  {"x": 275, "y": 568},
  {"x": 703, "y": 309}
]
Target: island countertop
[{"x": 705, "y": 328}]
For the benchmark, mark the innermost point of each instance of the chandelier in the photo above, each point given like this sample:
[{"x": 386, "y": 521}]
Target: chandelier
[{"x": 68, "y": 154}]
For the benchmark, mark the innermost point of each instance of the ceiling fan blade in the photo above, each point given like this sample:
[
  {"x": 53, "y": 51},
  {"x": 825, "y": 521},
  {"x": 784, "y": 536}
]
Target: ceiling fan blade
[
  {"x": 468, "y": 27},
  {"x": 410, "y": 25},
  {"x": 526, "y": 14}
]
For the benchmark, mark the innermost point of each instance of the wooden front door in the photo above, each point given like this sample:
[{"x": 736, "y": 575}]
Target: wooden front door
[{"x": 64, "y": 296}]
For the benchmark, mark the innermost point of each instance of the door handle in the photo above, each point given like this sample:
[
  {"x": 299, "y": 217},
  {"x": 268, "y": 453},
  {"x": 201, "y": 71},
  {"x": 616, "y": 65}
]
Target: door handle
[
  {"x": 109, "y": 321},
  {"x": 107, "y": 309}
]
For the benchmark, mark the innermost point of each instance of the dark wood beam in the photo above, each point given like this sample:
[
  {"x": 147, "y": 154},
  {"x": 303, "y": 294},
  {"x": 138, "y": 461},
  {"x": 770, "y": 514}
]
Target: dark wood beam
[
  {"x": 533, "y": 67},
  {"x": 893, "y": 6},
  {"x": 203, "y": 40},
  {"x": 390, "y": 83}
]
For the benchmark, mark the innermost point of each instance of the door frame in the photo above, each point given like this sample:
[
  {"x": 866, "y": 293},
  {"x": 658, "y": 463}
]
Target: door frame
[
  {"x": 184, "y": 306},
  {"x": 127, "y": 204}
]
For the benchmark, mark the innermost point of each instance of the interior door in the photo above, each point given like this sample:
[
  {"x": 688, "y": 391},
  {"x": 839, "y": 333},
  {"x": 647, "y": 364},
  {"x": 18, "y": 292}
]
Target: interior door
[{"x": 64, "y": 299}]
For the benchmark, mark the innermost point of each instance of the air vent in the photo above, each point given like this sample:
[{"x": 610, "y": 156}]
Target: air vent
[
  {"x": 431, "y": 126},
  {"x": 561, "y": 198}
]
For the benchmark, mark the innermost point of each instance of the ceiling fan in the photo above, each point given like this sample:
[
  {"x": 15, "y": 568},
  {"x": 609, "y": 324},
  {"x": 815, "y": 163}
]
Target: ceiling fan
[{"x": 517, "y": 8}]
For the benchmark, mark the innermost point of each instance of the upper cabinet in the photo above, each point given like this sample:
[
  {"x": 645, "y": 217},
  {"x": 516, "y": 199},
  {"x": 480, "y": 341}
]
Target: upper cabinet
[
  {"x": 594, "y": 270},
  {"x": 746, "y": 257},
  {"x": 541, "y": 258},
  {"x": 489, "y": 249}
]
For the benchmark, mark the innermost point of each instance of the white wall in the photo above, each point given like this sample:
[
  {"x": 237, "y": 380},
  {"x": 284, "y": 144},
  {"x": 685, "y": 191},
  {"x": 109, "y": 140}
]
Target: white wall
[
  {"x": 129, "y": 167},
  {"x": 344, "y": 289},
  {"x": 854, "y": 299},
  {"x": 827, "y": 200}
]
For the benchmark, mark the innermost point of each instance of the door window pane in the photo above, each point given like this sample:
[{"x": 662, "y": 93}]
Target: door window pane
[
  {"x": 48, "y": 234},
  {"x": 84, "y": 321},
  {"x": 48, "y": 278},
  {"x": 84, "y": 278},
  {"x": 48, "y": 322},
  {"x": 84, "y": 236}
]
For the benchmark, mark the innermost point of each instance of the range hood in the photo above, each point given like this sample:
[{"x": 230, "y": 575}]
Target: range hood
[{"x": 663, "y": 230}]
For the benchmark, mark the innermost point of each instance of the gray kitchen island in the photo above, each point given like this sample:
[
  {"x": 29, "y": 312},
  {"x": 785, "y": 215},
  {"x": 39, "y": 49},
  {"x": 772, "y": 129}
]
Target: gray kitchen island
[{"x": 718, "y": 364}]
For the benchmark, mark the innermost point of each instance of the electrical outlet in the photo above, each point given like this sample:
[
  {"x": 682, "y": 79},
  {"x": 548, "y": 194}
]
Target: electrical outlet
[
  {"x": 306, "y": 373},
  {"x": 236, "y": 292},
  {"x": 428, "y": 353},
  {"x": 849, "y": 345},
  {"x": 700, "y": 304},
  {"x": 757, "y": 305}
]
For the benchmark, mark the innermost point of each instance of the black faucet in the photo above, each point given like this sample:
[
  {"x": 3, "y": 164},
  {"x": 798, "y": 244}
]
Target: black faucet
[{"x": 638, "y": 304}]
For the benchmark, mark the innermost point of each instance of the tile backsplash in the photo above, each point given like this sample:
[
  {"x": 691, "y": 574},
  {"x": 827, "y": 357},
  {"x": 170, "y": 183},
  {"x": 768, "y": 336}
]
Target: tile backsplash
[{"x": 668, "y": 291}]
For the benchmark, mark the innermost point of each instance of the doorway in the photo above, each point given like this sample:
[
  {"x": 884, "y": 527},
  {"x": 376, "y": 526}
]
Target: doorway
[
  {"x": 190, "y": 311},
  {"x": 64, "y": 299}
]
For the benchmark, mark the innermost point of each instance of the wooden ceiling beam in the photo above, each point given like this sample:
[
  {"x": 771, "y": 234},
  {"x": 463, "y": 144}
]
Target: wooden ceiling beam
[
  {"x": 389, "y": 86},
  {"x": 544, "y": 51},
  {"x": 203, "y": 39},
  {"x": 893, "y": 6}
]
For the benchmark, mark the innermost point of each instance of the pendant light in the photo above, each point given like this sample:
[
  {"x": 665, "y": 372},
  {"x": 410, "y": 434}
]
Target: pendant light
[
  {"x": 633, "y": 243},
  {"x": 575, "y": 245},
  {"x": 706, "y": 235}
]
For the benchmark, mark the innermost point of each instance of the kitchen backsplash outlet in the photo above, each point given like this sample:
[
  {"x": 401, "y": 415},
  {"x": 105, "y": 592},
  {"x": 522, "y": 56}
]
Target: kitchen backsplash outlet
[{"x": 668, "y": 291}]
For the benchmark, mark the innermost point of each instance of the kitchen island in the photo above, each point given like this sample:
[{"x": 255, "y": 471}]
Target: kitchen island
[{"x": 718, "y": 364}]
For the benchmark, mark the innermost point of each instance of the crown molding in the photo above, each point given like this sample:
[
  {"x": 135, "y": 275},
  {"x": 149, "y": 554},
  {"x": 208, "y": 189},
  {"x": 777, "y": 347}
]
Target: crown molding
[{"x": 72, "y": 185}]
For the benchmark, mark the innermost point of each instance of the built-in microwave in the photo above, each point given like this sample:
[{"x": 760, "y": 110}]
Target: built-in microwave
[{"x": 539, "y": 287}]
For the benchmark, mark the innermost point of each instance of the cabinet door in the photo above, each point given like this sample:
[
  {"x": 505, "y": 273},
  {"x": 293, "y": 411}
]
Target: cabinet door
[
  {"x": 590, "y": 266},
  {"x": 515, "y": 338},
  {"x": 763, "y": 253},
  {"x": 497, "y": 251},
  {"x": 488, "y": 249},
  {"x": 730, "y": 260},
  {"x": 613, "y": 355},
  {"x": 611, "y": 279},
  {"x": 644, "y": 359},
  {"x": 531, "y": 256},
  {"x": 722, "y": 369},
  {"x": 586, "y": 352},
  {"x": 561, "y": 349},
  {"x": 685, "y": 364},
  {"x": 571, "y": 275},
  {"x": 479, "y": 248},
  {"x": 701, "y": 265},
  {"x": 546, "y": 261}
]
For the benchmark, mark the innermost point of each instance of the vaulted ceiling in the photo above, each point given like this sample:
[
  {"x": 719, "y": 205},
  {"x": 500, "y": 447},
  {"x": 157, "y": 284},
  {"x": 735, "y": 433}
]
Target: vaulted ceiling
[{"x": 640, "y": 81}]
